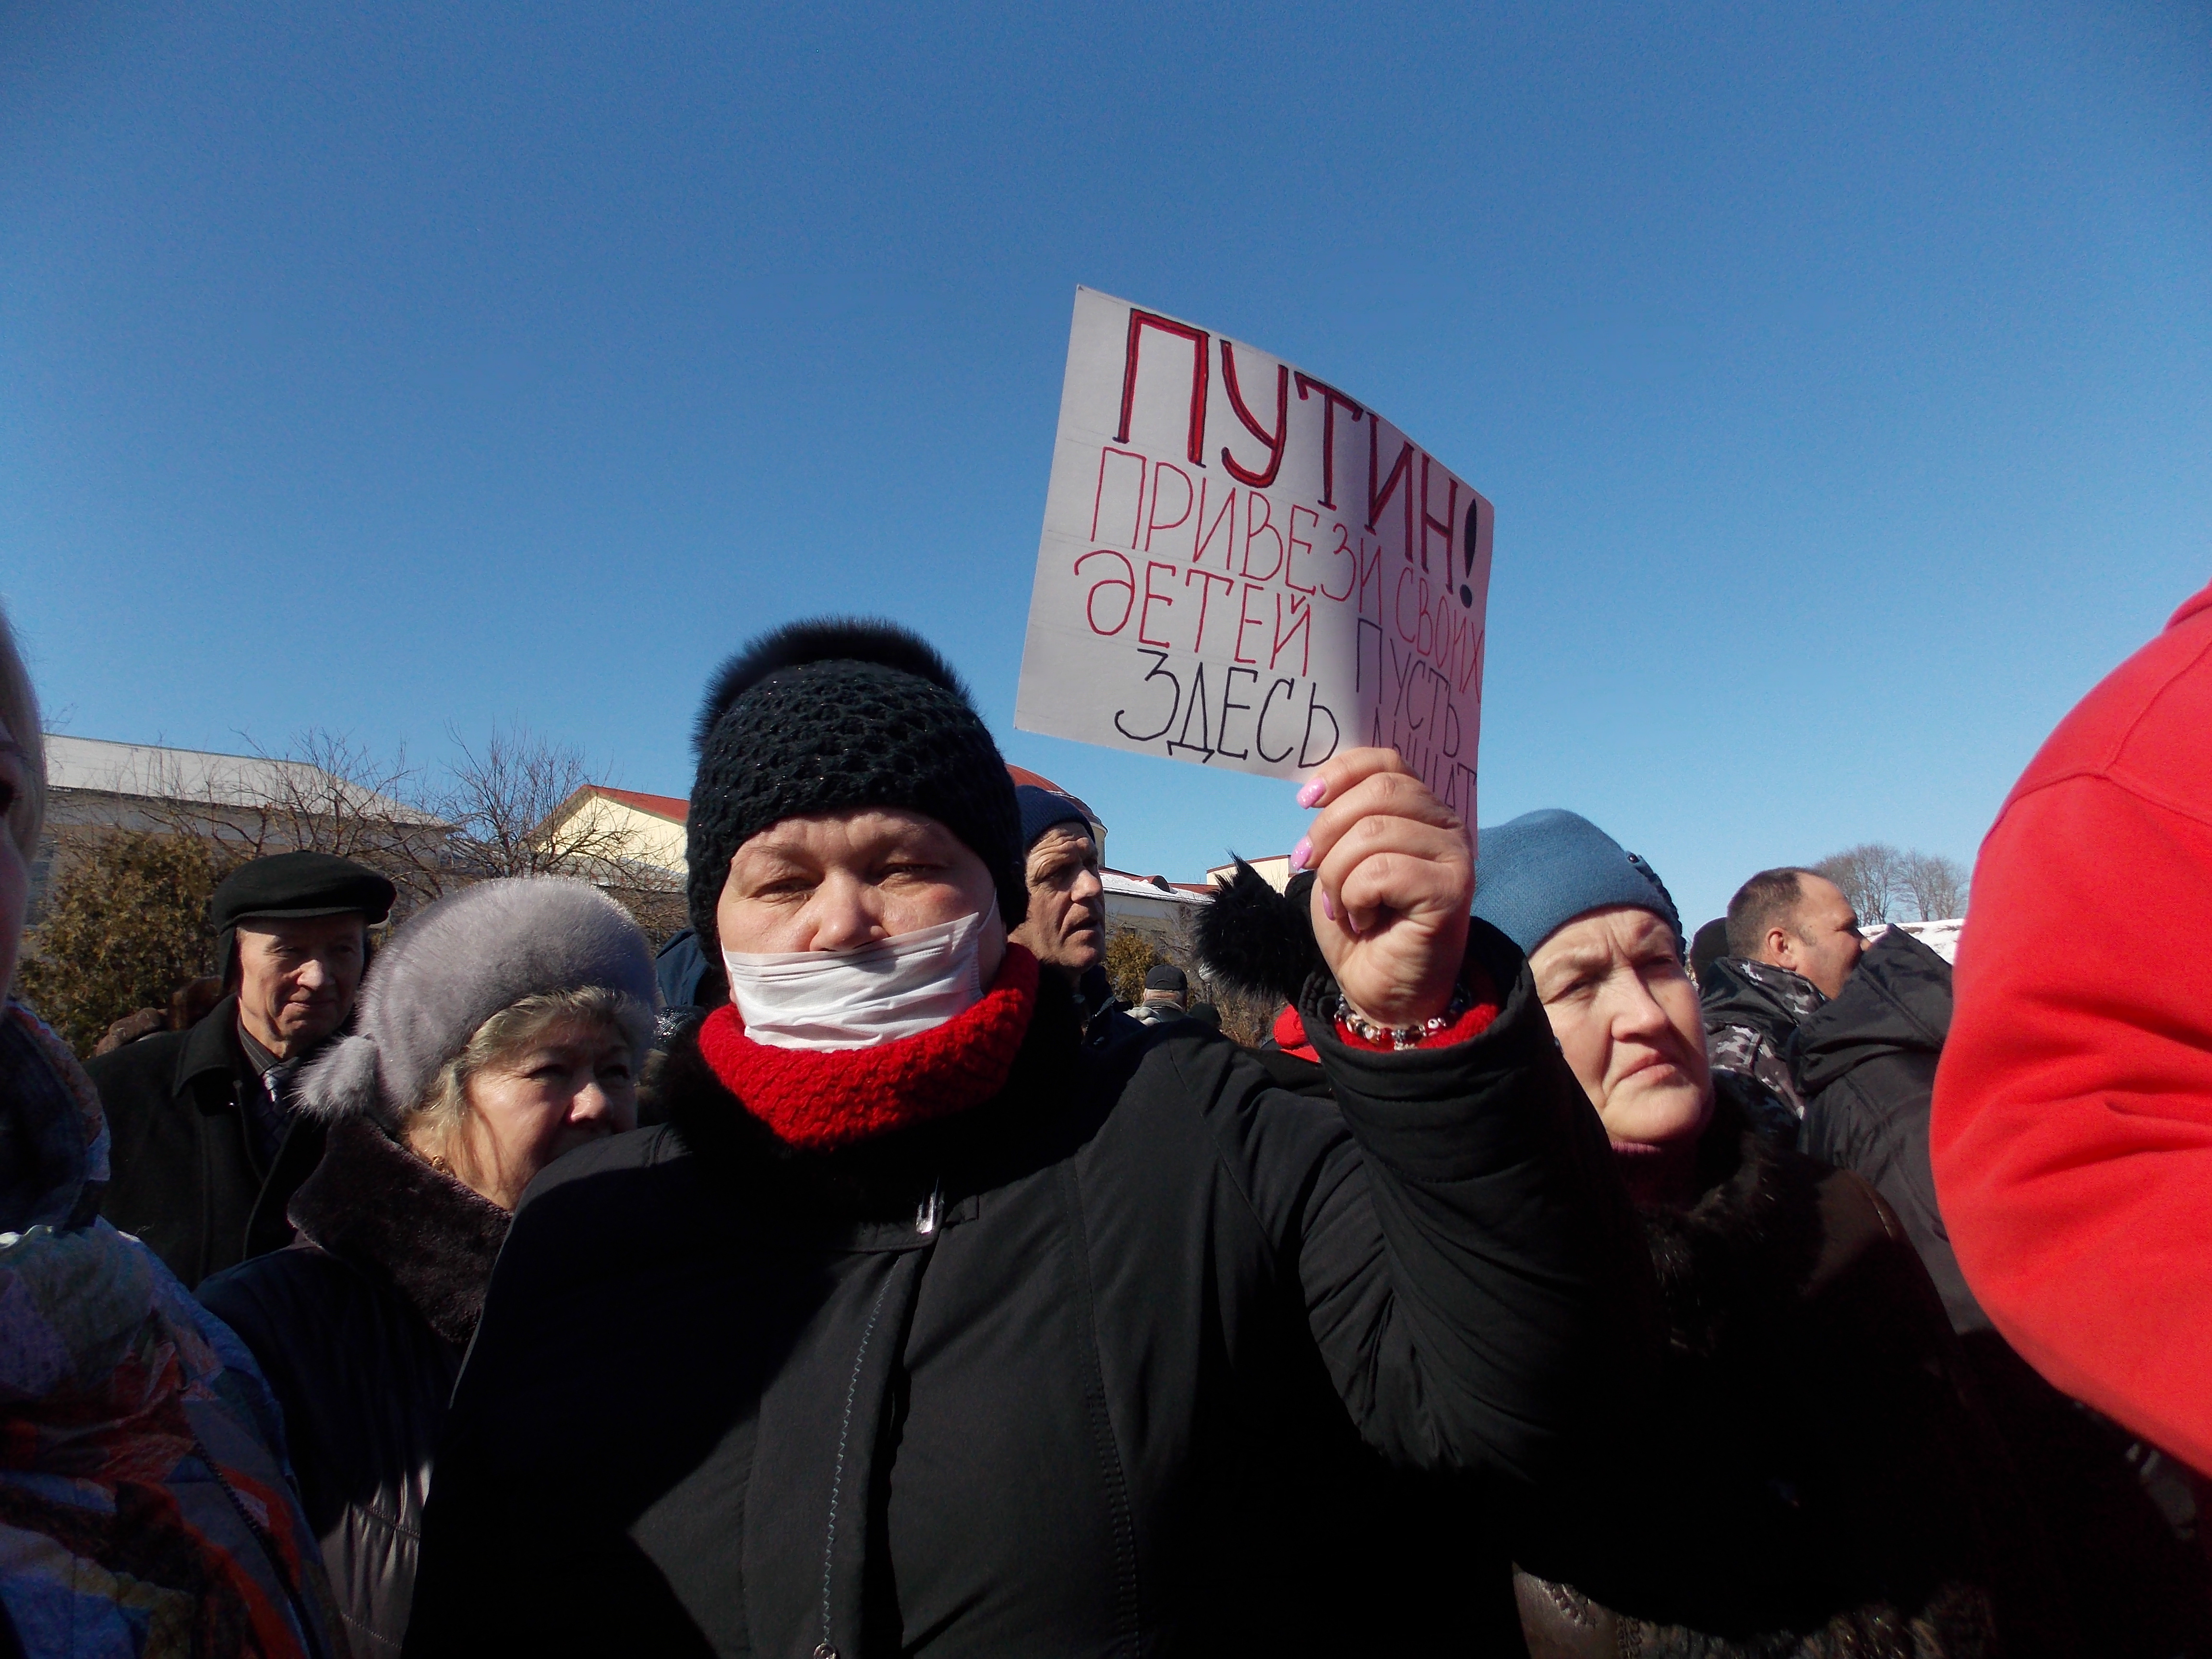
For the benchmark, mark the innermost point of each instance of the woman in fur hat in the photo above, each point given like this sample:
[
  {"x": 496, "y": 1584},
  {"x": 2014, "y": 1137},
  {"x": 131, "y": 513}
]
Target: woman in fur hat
[
  {"x": 501, "y": 1028},
  {"x": 930, "y": 1319}
]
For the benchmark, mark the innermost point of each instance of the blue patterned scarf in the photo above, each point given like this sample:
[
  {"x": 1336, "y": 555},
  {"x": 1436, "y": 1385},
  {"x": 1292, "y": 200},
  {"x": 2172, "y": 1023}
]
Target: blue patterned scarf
[{"x": 145, "y": 1505}]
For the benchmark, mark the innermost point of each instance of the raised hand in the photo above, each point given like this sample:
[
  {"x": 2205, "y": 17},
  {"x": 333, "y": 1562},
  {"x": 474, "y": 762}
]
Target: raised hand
[{"x": 1394, "y": 875}]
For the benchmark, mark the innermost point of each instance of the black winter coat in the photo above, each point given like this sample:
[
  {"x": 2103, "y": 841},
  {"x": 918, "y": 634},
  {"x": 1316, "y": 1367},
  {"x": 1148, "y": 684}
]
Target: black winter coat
[
  {"x": 1821, "y": 1479},
  {"x": 187, "y": 1176},
  {"x": 1026, "y": 1380},
  {"x": 1867, "y": 1064},
  {"x": 360, "y": 1328}
]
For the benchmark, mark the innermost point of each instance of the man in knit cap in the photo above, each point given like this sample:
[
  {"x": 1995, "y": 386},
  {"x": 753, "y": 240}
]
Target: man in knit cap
[
  {"x": 1066, "y": 928},
  {"x": 965, "y": 1328}
]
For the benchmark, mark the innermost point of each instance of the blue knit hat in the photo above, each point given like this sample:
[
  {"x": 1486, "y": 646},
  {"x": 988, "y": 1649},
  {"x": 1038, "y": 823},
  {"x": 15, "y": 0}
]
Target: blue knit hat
[
  {"x": 1043, "y": 808},
  {"x": 1538, "y": 872}
]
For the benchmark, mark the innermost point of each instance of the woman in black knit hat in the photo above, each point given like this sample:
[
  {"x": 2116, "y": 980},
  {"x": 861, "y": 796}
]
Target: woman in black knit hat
[{"x": 928, "y": 1319}]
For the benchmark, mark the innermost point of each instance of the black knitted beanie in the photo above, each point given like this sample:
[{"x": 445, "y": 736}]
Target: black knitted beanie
[{"x": 826, "y": 715}]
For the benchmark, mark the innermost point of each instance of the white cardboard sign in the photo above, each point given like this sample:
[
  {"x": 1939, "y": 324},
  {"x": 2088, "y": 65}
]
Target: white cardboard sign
[{"x": 1245, "y": 568}]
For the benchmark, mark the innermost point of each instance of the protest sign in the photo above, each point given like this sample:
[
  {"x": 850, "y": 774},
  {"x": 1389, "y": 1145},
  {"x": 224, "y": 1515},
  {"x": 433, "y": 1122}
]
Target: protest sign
[{"x": 1246, "y": 567}]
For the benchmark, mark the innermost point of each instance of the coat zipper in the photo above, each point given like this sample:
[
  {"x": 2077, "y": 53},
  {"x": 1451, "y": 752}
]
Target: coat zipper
[
  {"x": 926, "y": 1217},
  {"x": 825, "y": 1649}
]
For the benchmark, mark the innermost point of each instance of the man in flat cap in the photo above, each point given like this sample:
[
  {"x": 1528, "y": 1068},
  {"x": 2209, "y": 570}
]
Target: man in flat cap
[{"x": 206, "y": 1151}]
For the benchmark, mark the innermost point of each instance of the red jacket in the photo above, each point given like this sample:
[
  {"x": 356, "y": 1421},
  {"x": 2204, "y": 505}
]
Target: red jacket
[{"x": 2073, "y": 1123}]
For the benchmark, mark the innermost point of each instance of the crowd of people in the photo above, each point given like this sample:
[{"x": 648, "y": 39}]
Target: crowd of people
[{"x": 861, "y": 1276}]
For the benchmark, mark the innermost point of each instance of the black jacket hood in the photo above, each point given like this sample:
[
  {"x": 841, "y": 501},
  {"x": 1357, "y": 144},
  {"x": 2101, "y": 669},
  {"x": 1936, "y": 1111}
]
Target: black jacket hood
[{"x": 1898, "y": 1000}]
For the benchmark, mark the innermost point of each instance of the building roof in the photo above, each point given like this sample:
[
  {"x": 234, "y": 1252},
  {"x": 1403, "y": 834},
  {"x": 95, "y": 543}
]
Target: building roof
[
  {"x": 1273, "y": 868},
  {"x": 1156, "y": 887},
  {"x": 198, "y": 777},
  {"x": 661, "y": 806},
  {"x": 676, "y": 810}
]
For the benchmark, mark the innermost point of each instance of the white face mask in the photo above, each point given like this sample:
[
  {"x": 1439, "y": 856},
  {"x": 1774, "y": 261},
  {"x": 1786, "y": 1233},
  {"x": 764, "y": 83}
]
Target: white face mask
[{"x": 855, "y": 998}]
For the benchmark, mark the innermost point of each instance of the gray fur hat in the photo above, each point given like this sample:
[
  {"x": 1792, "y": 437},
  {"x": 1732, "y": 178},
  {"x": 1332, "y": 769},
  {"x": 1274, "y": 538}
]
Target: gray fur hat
[{"x": 453, "y": 967}]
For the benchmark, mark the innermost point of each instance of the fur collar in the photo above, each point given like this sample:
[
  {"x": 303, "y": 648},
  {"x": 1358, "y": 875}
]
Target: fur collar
[
  {"x": 1747, "y": 1248},
  {"x": 375, "y": 1203}
]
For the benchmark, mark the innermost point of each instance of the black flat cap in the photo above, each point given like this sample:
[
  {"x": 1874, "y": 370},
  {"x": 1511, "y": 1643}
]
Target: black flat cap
[
  {"x": 1166, "y": 977},
  {"x": 301, "y": 885}
]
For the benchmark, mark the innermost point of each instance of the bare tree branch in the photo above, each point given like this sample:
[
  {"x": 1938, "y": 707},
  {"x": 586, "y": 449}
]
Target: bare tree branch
[
  {"x": 1870, "y": 876},
  {"x": 512, "y": 805},
  {"x": 1936, "y": 884},
  {"x": 1880, "y": 881},
  {"x": 329, "y": 795},
  {"x": 505, "y": 801},
  {"x": 517, "y": 808}
]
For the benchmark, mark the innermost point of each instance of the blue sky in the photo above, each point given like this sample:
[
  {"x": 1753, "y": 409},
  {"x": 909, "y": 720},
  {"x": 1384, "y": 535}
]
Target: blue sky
[{"x": 1842, "y": 375}]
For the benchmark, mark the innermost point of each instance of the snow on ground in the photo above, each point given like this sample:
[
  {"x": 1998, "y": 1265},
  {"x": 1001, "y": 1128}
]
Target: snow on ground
[{"x": 1940, "y": 937}]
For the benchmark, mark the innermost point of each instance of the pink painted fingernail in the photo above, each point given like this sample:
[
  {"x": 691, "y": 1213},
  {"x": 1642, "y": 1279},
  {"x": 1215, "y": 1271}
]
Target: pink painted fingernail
[
  {"x": 1313, "y": 790},
  {"x": 1301, "y": 853},
  {"x": 1328, "y": 908}
]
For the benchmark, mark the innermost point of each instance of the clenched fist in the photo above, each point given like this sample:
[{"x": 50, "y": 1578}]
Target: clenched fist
[{"x": 1393, "y": 876}]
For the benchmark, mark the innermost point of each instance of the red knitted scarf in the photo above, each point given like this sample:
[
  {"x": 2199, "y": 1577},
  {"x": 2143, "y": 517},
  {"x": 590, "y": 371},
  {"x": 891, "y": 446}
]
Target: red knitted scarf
[{"x": 817, "y": 1099}]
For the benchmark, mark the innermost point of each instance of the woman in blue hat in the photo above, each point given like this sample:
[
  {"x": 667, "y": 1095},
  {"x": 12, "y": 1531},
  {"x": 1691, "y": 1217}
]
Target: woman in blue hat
[{"x": 1815, "y": 1478}]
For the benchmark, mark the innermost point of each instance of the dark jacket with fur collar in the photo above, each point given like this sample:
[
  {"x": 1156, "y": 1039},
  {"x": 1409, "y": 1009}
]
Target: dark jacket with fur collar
[
  {"x": 1823, "y": 1481},
  {"x": 1028, "y": 1379},
  {"x": 359, "y": 1327}
]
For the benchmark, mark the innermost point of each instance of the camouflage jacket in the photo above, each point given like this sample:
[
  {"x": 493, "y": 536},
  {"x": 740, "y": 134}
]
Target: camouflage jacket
[{"x": 1751, "y": 1010}]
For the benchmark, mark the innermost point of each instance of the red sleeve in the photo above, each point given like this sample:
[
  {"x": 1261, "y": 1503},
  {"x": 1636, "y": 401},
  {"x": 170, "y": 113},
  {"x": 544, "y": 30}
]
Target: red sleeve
[{"x": 2072, "y": 1135}]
